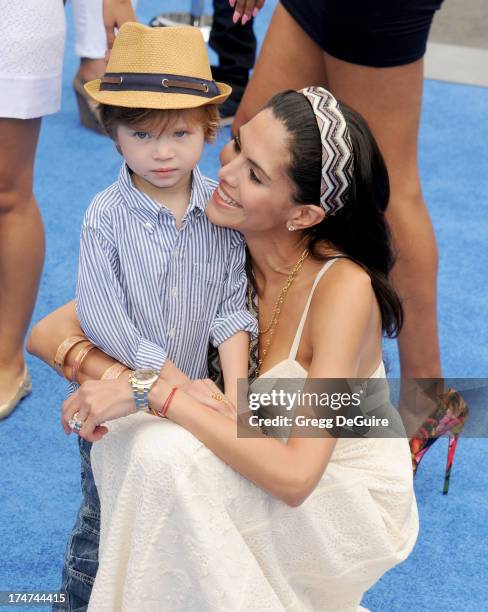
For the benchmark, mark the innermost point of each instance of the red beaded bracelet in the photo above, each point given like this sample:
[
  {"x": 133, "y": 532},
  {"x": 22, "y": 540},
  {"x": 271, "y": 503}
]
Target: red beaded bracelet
[
  {"x": 168, "y": 401},
  {"x": 164, "y": 410}
]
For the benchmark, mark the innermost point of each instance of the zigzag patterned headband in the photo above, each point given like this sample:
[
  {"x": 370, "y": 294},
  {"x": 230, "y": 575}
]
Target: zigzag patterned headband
[{"x": 337, "y": 153}]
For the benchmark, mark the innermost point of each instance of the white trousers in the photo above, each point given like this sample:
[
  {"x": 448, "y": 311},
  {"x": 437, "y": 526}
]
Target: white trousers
[{"x": 90, "y": 38}]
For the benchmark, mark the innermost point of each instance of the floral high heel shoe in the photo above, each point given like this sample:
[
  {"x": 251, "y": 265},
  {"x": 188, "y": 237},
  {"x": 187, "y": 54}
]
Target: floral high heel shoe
[{"x": 448, "y": 419}]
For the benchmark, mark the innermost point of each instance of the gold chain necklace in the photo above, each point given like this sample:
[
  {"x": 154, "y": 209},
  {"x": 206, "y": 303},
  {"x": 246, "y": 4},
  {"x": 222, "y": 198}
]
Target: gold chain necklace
[{"x": 277, "y": 308}]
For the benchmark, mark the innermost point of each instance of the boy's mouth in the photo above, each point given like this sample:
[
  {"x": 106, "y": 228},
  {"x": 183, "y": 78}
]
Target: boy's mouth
[
  {"x": 164, "y": 170},
  {"x": 223, "y": 197}
]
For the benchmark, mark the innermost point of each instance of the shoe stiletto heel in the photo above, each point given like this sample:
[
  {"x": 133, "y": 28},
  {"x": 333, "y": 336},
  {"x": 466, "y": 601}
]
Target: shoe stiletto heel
[
  {"x": 451, "y": 450},
  {"x": 449, "y": 418}
]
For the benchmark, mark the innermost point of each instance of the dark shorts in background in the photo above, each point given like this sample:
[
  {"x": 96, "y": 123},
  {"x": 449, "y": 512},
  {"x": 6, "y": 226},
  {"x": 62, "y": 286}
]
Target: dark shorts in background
[{"x": 378, "y": 33}]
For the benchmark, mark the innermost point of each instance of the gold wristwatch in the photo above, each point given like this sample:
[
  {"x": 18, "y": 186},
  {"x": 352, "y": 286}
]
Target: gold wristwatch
[{"x": 142, "y": 380}]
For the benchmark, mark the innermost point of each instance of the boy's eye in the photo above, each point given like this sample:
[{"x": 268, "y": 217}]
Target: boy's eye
[
  {"x": 237, "y": 144},
  {"x": 141, "y": 135},
  {"x": 254, "y": 176},
  {"x": 181, "y": 133}
]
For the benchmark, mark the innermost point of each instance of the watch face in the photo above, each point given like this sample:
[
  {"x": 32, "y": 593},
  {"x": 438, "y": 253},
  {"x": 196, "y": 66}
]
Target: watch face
[{"x": 144, "y": 375}]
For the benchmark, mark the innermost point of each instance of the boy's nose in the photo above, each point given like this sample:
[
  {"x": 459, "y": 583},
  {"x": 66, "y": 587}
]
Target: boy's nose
[{"x": 163, "y": 150}]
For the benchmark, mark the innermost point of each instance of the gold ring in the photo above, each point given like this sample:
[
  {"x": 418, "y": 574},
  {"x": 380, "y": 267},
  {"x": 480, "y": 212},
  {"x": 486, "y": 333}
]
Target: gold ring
[{"x": 217, "y": 396}]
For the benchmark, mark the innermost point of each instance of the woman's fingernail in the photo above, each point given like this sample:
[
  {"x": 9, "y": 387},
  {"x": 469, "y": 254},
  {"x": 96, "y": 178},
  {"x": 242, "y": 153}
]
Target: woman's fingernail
[
  {"x": 236, "y": 16},
  {"x": 245, "y": 19},
  {"x": 255, "y": 12}
]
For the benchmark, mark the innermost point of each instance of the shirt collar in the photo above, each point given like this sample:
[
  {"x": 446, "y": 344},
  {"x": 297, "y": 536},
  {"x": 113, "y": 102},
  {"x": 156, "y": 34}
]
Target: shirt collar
[
  {"x": 144, "y": 208},
  {"x": 199, "y": 195}
]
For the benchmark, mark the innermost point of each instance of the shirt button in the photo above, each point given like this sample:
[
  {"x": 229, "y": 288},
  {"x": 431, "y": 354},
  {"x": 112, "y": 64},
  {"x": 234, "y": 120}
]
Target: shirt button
[
  {"x": 148, "y": 225},
  {"x": 174, "y": 292},
  {"x": 172, "y": 332},
  {"x": 176, "y": 252}
]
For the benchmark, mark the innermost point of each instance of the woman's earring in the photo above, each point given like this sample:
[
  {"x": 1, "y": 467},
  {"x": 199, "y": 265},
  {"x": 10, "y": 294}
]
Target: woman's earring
[{"x": 291, "y": 228}]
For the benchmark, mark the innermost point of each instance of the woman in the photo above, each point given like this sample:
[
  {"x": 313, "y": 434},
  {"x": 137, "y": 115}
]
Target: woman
[
  {"x": 370, "y": 55},
  {"x": 32, "y": 35},
  {"x": 262, "y": 523}
]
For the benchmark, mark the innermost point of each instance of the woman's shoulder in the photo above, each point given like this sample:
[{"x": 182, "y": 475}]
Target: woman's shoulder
[
  {"x": 344, "y": 287},
  {"x": 343, "y": 271},
  {"x": 343, "y": 319}
]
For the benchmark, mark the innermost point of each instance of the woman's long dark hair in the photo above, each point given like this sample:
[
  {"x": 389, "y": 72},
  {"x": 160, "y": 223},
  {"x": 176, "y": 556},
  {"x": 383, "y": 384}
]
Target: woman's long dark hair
[{"x": 359, "y": 230}]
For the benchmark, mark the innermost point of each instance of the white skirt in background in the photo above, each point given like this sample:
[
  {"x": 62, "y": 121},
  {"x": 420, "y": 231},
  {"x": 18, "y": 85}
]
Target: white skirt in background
[{"x": 32, "y": 34}]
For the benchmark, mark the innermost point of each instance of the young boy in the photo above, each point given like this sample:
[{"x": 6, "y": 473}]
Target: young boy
[{"x": 157, "y": 281}]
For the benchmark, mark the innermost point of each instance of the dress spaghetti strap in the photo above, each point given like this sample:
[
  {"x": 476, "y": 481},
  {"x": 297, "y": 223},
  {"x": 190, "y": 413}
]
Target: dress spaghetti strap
[{"x": 298, "y": 335}]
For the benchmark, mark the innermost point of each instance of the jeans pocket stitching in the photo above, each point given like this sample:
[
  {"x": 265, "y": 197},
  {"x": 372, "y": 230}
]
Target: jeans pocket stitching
[{"x": 89, "y": 580}]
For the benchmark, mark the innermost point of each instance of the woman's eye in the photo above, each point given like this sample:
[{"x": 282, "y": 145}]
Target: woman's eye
[
  {"x": 237, "y": 145},
  {"x": 254, "y": 177},
  {"x": 141, "y": 135}
]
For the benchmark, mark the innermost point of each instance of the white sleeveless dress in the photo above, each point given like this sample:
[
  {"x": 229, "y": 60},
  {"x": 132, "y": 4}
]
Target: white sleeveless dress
[
  {"x": 183, "y": 531},
  {"x": 32, "y": 34}
]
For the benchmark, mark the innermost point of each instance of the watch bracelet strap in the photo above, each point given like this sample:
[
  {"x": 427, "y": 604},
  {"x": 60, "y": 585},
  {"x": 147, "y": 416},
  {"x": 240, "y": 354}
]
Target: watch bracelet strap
[{"x": 140, "y": 397}]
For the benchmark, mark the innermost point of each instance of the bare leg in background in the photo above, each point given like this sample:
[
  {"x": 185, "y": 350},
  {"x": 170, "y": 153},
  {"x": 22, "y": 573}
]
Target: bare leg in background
[{"x": 21, "y": 246}]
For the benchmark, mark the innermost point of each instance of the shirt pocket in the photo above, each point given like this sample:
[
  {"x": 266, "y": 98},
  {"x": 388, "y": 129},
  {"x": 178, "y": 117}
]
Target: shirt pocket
[{"x": 205, "y": 291}]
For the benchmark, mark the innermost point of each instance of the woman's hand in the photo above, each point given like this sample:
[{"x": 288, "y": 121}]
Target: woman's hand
[
  {"x": 206, "y": 392},
  {"x": 115, "y": 13},
  {"x": 245, "y": 9},
  {"x": 96, "y": 402}
]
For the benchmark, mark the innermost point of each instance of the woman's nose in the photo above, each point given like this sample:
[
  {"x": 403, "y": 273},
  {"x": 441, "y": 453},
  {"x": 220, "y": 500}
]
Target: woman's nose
[
  {"x": 229, "y": 165},
  {"x": 228, "y": 174},
  {"x": 227, "y": 154}
]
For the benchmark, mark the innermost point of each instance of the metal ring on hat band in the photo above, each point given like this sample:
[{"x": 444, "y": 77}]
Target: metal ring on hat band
[
  {"x": 160, "y": 83},
  {"x": 75, "y": 423}
]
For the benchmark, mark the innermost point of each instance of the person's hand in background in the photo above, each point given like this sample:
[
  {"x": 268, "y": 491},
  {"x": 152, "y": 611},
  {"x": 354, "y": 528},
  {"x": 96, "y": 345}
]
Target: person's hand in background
[
  {"x": 245, "y": 9},
  {"x": 115, "y": 13}
]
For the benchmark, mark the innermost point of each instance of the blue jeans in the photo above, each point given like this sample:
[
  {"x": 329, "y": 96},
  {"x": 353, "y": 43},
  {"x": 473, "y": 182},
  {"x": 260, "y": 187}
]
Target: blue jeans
[{"x": 81, "y": 557}]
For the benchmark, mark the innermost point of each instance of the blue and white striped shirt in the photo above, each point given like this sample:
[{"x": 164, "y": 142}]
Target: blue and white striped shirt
[{"x": 147, "y": 290}]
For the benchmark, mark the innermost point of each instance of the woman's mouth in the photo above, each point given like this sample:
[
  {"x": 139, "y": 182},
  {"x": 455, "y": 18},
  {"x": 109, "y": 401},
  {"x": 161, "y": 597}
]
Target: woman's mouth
[{"x": 223, "y": 199}]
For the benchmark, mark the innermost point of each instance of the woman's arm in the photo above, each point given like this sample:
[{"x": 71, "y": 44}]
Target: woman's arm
[
  {"x": 290, "y": 471},
  {"x": 233, "y": 355},
  {"x": 267, "y": 462},
  {"x": 46, "y": 336}
]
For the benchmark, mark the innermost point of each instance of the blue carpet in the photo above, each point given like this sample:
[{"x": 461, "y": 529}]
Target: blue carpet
[{"x": 40, "y": 466}]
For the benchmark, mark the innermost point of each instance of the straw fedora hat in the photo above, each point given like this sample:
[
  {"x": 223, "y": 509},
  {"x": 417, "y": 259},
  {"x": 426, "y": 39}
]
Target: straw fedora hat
[{"x": 162, "y": 68}]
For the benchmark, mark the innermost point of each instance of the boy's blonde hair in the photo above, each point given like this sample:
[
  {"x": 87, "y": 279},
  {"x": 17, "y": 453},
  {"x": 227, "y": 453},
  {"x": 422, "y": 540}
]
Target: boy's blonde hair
[{"x": 147, "y": 118}]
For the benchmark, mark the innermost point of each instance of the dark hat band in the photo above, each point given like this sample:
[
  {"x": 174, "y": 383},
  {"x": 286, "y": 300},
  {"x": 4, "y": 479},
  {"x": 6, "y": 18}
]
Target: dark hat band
[{"x": 160, "y": 83}]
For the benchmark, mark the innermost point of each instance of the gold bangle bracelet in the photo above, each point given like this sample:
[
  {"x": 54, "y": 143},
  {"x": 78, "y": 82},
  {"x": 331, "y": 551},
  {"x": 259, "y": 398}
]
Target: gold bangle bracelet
[
  {"x": 63, "y": 350},
  {"x": 114, "y": 371},
  {"x": 80, "y": 358}
]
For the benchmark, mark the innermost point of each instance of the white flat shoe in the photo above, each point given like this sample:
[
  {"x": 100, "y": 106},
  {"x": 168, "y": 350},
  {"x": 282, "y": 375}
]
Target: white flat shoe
[{"x": 23, "y": 390}]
